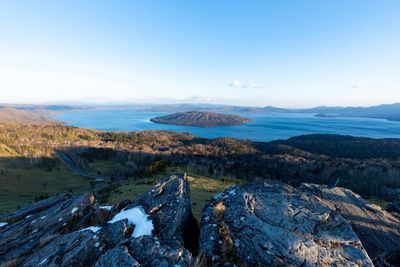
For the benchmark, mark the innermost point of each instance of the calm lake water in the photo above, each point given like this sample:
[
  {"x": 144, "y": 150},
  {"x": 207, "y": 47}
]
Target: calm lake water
[{"x": 263, "y": 127}]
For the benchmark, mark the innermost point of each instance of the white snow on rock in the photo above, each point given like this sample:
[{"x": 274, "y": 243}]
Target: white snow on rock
[
  {"x": 74, "y": 210},
  {"x": 94, "y": 229},
  {"x": 106, "y": 207},
  {"x": 3, "y": 224},
  {"x": 137, "y": 217}
]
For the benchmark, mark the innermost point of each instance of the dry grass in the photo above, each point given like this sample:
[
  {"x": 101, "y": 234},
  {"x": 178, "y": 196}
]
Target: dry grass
[
  {"x": 202, "y": 189},
  {"x": 219, "y": 210},
  {"x": 47, "y": 239}
]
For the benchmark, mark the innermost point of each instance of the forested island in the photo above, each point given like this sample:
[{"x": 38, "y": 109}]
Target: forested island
[{"x": 201, "y": 119}]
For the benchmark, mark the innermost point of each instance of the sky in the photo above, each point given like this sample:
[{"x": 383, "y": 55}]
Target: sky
[{"x": 283, "y": 53}]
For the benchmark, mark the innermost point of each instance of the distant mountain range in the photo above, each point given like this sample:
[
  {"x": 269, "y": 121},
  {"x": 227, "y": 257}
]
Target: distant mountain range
[
  {"x": 211, "y": 108},
  {"x": 387, "y": 111}
]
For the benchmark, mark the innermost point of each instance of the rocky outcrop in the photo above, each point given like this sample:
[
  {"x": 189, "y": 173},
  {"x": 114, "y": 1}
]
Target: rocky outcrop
[
  {"x": 276, "y": 225},
  {"x": 378, "y": 230},
  {"x": 71, "y": 230},
  {"x": 255, "y": 224},
  {"x": 393, "y": 207},
  {"x": 33, "y": 226}
]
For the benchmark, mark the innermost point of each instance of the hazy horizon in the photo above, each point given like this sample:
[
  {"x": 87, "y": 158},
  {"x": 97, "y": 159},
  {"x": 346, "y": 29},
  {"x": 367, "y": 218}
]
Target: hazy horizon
[
  {"x": 279, "y": 53},
  {"x": 150, "y": 103}
]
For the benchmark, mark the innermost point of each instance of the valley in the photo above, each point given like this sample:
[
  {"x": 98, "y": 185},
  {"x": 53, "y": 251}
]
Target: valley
[{"x": 30, "y": 156}]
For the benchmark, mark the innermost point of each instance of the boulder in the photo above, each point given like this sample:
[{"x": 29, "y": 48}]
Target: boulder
[
  {"x": 393, "y": 207},
  {"x": 168, "y": 206},
  {"x": 117, "y": 257},
  {"x": 276, "y": 225},
  {"x": 255, "y": 224},
  {"x": 68, "y": 230},
  {"x": 378, "y": 230},
  {"x": 150, "y": 251},
  {"x": 80, "y": 248},
  {"x": 30, "y": 227}
]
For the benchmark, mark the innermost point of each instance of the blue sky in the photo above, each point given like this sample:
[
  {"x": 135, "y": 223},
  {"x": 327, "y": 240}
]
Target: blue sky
[{"x": 283, "y": 53}]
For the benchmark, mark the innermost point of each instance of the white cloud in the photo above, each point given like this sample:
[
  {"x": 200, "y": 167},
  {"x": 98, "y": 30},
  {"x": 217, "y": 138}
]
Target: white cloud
[
  {"x": 255, "y": 86},
  {"x": 358, "y": 85},
  {"x": 235, "y": 83}
]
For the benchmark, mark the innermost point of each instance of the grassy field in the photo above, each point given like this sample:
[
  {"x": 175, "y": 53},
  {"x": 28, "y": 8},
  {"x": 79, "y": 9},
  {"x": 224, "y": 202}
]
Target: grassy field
[
  {"x": 104, "y": 167},
  {"x": 379, "y": 202},
  {"x": 19, "y": 186},
  {"x": 202, "y": 189}
]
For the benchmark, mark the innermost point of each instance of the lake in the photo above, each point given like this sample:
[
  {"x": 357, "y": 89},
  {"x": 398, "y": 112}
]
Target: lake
[{"x": 263, "y": 127}]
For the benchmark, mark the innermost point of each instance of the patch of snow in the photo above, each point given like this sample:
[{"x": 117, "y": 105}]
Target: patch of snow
[
  {"x": 97, "y": 244},
  {"x": 60, "y": 219},
  {"x": 217, "y": 196},
  {"x": 74, "y": 210},
  {"x": 106, "y": 207},
  {"x": 94, "y": 229},
  {"x": 237, "y": 243},
  {"x": 43, "y": 217},
  {"x": 137, "y": 217},
  {"x": 27, "y": 217},
  {"x": 3, "y": 224},
  {"x": 43, "y": 261}
]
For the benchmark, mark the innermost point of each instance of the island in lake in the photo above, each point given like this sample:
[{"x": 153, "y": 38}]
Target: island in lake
[{"x": 201, "y": 119}]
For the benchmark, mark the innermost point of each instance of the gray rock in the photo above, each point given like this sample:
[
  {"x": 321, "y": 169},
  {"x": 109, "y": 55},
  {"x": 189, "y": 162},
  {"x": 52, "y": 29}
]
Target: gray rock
[
  {"x": 68, "y": 230},
  {"x": 149, "y": 251},
  {"x": 393, "y": 207},
  {"x": 74, "y": 249},
  {"x": 36, "y": 207},
  {"x": 175, "y": 229},
  {"x": 168, "y": 206},
  {"x": 276, "y": 225},
  {"x": 54, "y": 217},
  {"x": 80, "y": 248},
  {"x": 257, "y": 224},
  {"x": 117, "y": 257},
  {"x": 378, "y": 230}
]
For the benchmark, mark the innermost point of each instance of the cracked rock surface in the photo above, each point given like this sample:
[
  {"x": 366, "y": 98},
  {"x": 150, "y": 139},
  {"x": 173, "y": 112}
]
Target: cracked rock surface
[
  {"x": 276, "y": 225},
  {"x": 256, "y": 224},
  {"x": 378, "y": 230},
  {"x": 68, "y": 230}
]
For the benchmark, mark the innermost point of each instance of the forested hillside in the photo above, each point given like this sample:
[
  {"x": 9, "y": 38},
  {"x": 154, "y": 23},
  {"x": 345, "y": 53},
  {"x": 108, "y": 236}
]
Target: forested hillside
[{"x": 367, "y": 166}]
